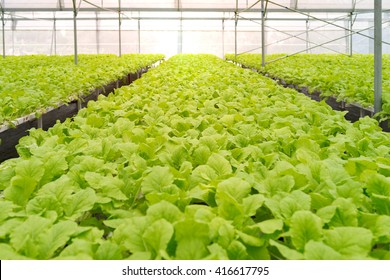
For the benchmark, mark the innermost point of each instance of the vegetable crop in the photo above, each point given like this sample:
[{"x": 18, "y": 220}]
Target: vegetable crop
[
  {"x": 199, "y": 159},
  {"x": 32, "y": 84},
  {"x": 349, "y": 79}
]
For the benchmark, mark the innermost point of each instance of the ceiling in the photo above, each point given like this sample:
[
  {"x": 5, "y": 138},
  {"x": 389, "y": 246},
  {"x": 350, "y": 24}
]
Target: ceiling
[{"x": 191, "y": 5}]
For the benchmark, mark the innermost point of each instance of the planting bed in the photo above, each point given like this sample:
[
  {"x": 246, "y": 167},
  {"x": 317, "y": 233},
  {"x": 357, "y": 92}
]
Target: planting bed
[
  {"x": 345, "y": 83},
  {"x": 9, "y": 136},
  {"x": 353, "y": 112},
  {"x": 199, "y": 159}
]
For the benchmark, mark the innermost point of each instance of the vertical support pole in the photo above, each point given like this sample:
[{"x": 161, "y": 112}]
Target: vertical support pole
[
  {"x": 139, "y": 34},
  {"x": 75, "y": 31},
  {"x": 55, "y": 35},
  {"x": 3, "y": 31},
  {"x": 223, "y": 35},
  {"x": 262, "y": 34},
  {"x": 350, "y": 34},
  {"x": 235, "y": 29},
  {"x": 13, "y": 27},
  {"x": 307, "y": 35},
  {"x": 180, "y": 36},
  {"x": 120, "y": 28},
  {"x": 378, "y": 55},
  {"x": 97, "y": 33}
]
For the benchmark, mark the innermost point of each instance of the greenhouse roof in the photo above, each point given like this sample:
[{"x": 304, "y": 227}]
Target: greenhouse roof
[{"x": 191, "y": 5}]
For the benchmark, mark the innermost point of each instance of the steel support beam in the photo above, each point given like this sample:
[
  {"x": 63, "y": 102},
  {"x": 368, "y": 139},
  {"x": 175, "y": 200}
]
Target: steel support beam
[
  {"x": 350, "y": 34},
  {"x": 180, "y": 36},
  {"x": 75, "y": 32},
  {"x": 302, "y": 12},
  {"x": 54, "y": 37},
  {"x": 235, "y": 28},
  {"x": 318, "y": 45},
  {"x": 3, "y": 30},
  {"x": 13, "y": 27},
  {"x": 120, "y": 28},
  {"x": 262, "y": 33},
  {"x": 97, "y": 33},
  {"x": 223, "y": 37},
  {"x": 307, "y": 36},
  {"x": 378, "y": 56},
  {"x": 151, "y": 9},
  {"x": 294, "y": 4},
  {"x": 139, "y": 36},
  {"x": 306, "y": 41}
]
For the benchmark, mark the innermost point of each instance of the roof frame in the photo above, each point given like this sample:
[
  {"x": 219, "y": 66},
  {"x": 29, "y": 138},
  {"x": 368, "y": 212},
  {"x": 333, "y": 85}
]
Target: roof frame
[{"x": 181, "y": 9}]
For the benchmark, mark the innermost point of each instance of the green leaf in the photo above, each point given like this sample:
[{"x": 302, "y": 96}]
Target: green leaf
[
  {"x": 203, "y": 174},
  {"x": 217, "y": 252},
  {"x": 129, "y": 235},
  {"x": 61, "y": 189},
  {"x": 258, "y": 253},
  {"x": 270, "y": 226},
  {"x": 345, "y": 214},
  {"x": 79, "y": 249},
  {"x": 381, "y": 204},
  {"x": 55, "y": 165},
  {"x": 295, "y": 201},
  {"x": 280, "y": 184},
  {"x": 31, "y": 168},
  {"x": 108, "y": 251},
  {"x": 8, "y": 253},
  {"x": 54, "y": 238},
  {"x": 229, "y": 208},
  {"x": 378, "y": 187},
  {"x": 164, "y": 210},
  {"x": 327, "y": 213},
  {"x": 304, "y": 226},
  {"x": 222, "y": 231},
  {"x": 235, "y": 187},
  {"x": 252, "y": 203},
  {"x": 24, "y": 238},
  {"x": 6, "y": 174},
  {"x": 237, "y": 251},
  {"x": 192, "y": 239},
  {"x": 20, "y": 190},
  {"x": 7, "y": 227},
  {"x": 221, "y": 165},
  {"x": 355, "y": 166},
  {"x": 382, "y": 228},
  {"x": 80, "y": 202},
  {"x": 40, "y": 205},
  {"x": 315, "y": 250},
  {"x": 287, "y": 252},
  {"x": 201, "y": 154},
  {"x": 159, "y": 178},
  {"x": 158, "y": 235},
  {"x": 6, "y": 207},
  {"x": 250, "y": 239},
  {"x": 106, "y": 186},
  {"x": 351, "y": 242}
]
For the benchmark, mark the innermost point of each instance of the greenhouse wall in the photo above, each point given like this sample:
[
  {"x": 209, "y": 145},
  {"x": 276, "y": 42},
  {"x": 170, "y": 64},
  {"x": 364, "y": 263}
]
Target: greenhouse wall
[{"x": 185, "y": 26}]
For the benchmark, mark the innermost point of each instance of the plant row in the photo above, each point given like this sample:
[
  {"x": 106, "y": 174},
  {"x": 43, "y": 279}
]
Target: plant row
[
  {"x": 199, "y": 159},
  {"x": 31, "y": 84},
  {"x": 349, "y": 79}
]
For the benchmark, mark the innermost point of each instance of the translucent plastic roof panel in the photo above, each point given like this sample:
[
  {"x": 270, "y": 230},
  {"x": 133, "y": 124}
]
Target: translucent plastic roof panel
[
  {"x": 226, "y": 5},
  {"x": 17, "y": 4},
  {"x": 126, "y": 4},
  {"x": 325, "y": 4}
]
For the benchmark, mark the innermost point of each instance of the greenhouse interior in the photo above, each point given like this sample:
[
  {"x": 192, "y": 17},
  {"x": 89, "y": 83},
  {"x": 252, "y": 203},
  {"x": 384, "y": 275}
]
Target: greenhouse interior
[{"x": 195, "y": 130}]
